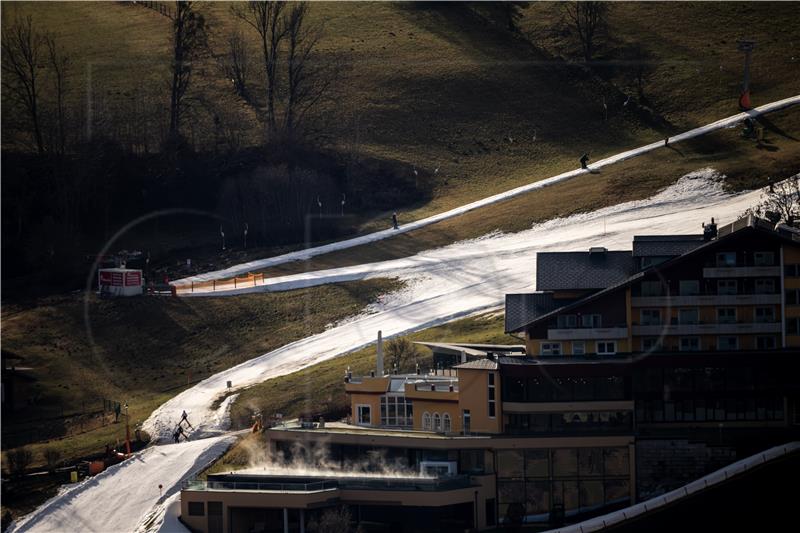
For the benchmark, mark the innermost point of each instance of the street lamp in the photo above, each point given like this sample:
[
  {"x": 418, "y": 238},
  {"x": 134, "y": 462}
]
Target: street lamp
[
  {"x": 343, "y": 200},
  {"x": 222, "y": 233},
  {"x": 246, "y": 227}
]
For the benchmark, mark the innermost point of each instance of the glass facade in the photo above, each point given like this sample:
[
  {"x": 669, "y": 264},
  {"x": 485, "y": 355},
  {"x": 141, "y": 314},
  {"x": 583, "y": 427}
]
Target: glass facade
[
  {"x": 564, "y": 389},
  {"x": 581, "y": 479},
  {"x": 576, "y": 422}
]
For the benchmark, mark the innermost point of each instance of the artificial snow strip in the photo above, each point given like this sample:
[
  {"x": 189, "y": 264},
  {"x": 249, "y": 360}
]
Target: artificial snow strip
[{"x": 302, "y": 255}]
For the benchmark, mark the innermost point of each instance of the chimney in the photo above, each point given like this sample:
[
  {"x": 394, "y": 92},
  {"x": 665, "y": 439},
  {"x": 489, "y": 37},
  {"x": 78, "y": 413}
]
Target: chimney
[
  {"x": 418, "y": 369},
  {"x": 463, "y": 356},
  {"x": 380, "y": 355}
]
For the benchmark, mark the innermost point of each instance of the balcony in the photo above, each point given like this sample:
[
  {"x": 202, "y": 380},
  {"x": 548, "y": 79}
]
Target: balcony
[
  {"x": 566, "y": 334},
  {"x": 742, "y": 272},
  {"x": 706, "y": 299},
  {"x": 744, "y": 328}
]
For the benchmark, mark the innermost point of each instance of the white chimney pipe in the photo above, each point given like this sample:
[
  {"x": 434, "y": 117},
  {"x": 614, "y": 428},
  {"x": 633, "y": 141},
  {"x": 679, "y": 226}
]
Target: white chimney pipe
[
  {"x": 380, "y": 355},
  {"x": 463, "y": 356}
]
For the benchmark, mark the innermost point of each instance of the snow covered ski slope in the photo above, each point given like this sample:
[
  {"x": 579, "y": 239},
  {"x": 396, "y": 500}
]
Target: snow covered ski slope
[
  {"x": 117, "y": 499},
  {"x": 301, "y": 255},
  {"x": 459, "y": 280}
]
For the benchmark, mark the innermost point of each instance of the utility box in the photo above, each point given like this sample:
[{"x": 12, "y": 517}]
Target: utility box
[{"x": 120, "y": 281}]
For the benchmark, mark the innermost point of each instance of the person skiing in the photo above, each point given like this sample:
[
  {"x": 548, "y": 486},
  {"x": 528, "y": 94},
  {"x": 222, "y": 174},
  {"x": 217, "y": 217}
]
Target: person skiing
[
  {"x": 394, "y": 220},
  {"x": 666, "y": 141},
  {"x": 185, "y": 418},
  {"x": 176, "y": 435},
  {"x": 584, "y": 160}
]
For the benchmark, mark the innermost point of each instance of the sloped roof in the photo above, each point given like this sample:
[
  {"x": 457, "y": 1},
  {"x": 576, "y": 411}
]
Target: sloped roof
[
  {"x": 664, "y": 245},
  {"x": 521, "y": 309},
  {"x": 480, "y": 364},
  {"x": 581, "y": 270}
]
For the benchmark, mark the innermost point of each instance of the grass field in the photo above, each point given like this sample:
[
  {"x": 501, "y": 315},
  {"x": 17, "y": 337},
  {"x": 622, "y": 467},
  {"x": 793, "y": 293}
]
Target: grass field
[
  {"x": 145, "y": 350},
  {"x": 437, "y": 86}
]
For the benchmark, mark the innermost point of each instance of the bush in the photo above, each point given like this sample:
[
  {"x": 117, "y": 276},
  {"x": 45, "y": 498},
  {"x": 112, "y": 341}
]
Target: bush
[
  {"x": 18, "y": 460},
  {"x": 52, "y": 458}
]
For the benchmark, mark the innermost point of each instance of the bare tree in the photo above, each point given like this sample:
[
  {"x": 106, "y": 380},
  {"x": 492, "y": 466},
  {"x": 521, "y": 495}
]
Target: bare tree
[
  {"x": 236, "y": 64},
  {"x": 22, "y": 45},
  {"x": 266, "y": 18},
  {"x": 401, "y": 353},
  {"x": 306, "y": 86},
  {"x": 58, "y": 64},
  {"x": 189, "y": 42},
  {"x": 781, "y": 203},
  {"x": 588, "y": 18}
]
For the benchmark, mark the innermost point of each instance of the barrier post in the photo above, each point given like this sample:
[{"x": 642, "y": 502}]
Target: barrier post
[
  {"x": 234, "y": 282},
  {"x": 193, "y": 286},
  {"x": 213, "y": 285}
]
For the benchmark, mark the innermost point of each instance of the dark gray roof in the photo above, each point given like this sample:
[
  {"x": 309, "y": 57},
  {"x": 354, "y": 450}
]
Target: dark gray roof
[
  {"x": 664, "y": 245},
  {"x": 581, "y": 270},
  {"x": 479, "y": 364},
  {"x": 522, "y": 309}
]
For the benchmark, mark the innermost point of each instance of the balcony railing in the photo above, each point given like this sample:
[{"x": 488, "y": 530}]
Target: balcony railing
[
  {"x": 742, "y": 272},
  {"x": 708, "y": 329},
  {"x": 562, "y": 334},
  {"x": 706, "y": 299},
  {"x": 344, "y": 483}
]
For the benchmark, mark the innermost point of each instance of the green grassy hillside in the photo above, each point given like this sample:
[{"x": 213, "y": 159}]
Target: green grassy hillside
[
  {"x": 145, "y": 350},
  {"x": 441, "y": 86}
]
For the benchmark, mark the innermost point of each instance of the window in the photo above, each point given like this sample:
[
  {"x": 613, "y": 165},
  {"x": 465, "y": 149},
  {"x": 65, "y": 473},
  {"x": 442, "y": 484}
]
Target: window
[
  {"x": 437, "y": 422},
  {"x": 551, "y": 348},
  {"x": 652, "y": 344},
  {"x": 652, "y": 288},
  {"x": 727, "y": 343},
  {"x": 197, "y": 509},
  {"x": 466, "y": 420},
  {"x": 688, "y": 316},
  {"x": 764, "y": 314},
  {"x": 791, "y": 270},
  {"x": 650, "y": 317},
  {"x": 492, "y": 397},
  {"x": 690, "y": 344},
  {"x": 726, "y": 315},
  {"x": 364, "y": 414},
  {"x": 567, "y": 321},
  {"x": 793, "y": 326},
  {"x": 726, "y": 259},
  {"x": 689, "y": 287},
  {"x": 763, "y": 258},
  {"x": 766, "y": 342},
  {"x": 578, "y": 347},
  {"x": 591, "y": 321},
  {"x": 447, "y": 426},
  {"x": 426, "y": 421},
  {"x": 606, "y": 347},
  {"x": 793, "y": 297},
  {"x": 396, "y": 410},
  {"x": 765, "y": 286},
  {"x": 726, "y": 286}
]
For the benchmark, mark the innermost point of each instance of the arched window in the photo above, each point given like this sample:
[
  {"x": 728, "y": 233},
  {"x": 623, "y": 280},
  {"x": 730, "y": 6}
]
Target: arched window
[
  {"x": 446, "y": 425},
  {"x": 437, "y": 422},
  {"x": 426, "y": 421}
]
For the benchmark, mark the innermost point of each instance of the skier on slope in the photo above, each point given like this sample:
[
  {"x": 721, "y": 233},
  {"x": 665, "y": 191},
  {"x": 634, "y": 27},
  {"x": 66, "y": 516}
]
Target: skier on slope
[
  {"x": 185, "y": 418},
  {"x": 584, "y": 160},
  {"x": 394, "y": 220}
]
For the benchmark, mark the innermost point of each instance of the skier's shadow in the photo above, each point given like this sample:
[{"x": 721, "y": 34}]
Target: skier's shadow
[{"x": 675, "y": 149}]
